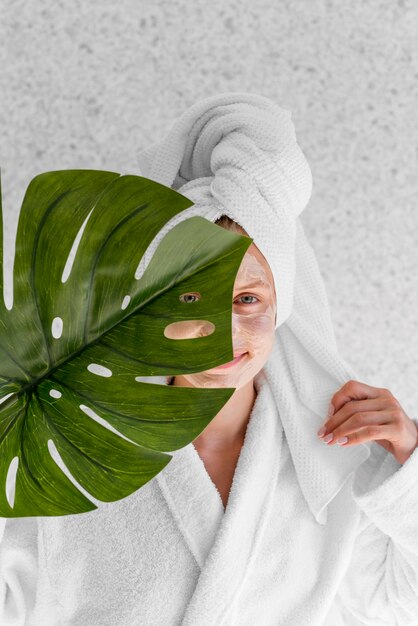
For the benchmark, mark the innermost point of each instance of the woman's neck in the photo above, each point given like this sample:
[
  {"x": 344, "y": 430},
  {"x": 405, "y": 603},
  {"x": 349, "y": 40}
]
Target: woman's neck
[{"x": 228, "y": 427}]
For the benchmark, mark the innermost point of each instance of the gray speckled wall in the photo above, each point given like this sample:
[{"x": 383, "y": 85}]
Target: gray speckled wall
[{"x": 87, "y": 84}]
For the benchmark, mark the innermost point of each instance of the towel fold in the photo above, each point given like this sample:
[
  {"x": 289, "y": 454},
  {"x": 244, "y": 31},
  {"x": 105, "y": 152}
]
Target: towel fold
[{"x": 237, "y": 154}]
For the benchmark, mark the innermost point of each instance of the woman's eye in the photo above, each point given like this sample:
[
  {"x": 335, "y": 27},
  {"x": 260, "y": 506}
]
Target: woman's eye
[
  {"x": 188, "y": 297},
  {"x": 193, "y": 297},
  {"x": 248, "y": 296}
]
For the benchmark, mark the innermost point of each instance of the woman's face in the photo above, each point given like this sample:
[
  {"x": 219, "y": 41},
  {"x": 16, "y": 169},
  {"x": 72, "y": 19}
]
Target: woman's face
[{"x": 253, "y": 325}]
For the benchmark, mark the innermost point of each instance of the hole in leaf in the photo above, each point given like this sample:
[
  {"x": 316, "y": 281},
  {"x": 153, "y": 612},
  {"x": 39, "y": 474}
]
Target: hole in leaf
[
  {"x": 5, "y": 397},
  {"x": 11, "y": 481},
  {"x": 100, "y": 370},
  {"x": 56, "y": 327},
  {"x": 88, "y": 411},
  {"x": 70, "y": 260},
  {"x": 57, "y": 458},
  {"x": 125, "y": 302},
  {"x": 186, "y": 298},
  {"x": 189, "y": 329}
]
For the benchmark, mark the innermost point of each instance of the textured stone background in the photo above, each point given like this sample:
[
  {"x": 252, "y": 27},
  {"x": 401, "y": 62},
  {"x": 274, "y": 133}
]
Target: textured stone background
[{"x": 88, "y": 84}]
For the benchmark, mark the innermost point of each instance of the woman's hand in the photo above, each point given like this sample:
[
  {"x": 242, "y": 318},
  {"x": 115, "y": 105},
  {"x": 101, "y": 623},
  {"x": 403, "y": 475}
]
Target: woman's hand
[{"x": 364, "y": 413}]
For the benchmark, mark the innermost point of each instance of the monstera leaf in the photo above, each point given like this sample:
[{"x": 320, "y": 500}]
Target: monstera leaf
[{"x": 75, "y": 342}]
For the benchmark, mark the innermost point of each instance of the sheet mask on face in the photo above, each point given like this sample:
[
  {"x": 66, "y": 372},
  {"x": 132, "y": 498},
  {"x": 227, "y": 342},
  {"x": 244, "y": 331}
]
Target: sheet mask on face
[{"x": 253, "y": 326}]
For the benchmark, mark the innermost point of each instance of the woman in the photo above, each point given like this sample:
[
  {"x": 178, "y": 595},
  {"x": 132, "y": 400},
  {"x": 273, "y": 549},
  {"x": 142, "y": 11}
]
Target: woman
[{"x": 257, "y": 521}]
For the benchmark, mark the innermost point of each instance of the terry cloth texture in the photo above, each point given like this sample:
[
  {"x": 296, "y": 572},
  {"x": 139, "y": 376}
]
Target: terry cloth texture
[
  {"x": 170, "y": 555},
  {"x": 311, "y": 534}
]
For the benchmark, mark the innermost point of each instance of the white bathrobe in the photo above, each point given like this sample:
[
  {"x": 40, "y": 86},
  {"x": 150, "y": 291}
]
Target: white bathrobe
[{"x": 170, "y": 555}]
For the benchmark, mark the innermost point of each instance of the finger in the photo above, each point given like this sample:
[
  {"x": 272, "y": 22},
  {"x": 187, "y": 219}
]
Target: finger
[
  {"x": 369, "y": 425},
  {"x": 356, "y": 390},
  {"x": 351, "y": 408},
  {"x": 364, "y": 435}
]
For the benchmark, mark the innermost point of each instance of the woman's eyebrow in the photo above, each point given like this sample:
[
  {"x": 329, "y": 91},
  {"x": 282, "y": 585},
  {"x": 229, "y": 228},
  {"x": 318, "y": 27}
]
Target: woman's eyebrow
[{"x": 257, "y": 285}]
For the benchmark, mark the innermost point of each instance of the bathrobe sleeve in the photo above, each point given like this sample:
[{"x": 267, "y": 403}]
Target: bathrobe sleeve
[
  {"x": 18, "y": 569},
  {"x": 380, "y": 586}
]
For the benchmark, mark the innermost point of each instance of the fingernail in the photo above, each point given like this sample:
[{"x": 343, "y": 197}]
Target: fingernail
[
  {"x": 328, "y": 438},
  {"x": 321, "y": 431},
  {"x": 342, "y": 440}
]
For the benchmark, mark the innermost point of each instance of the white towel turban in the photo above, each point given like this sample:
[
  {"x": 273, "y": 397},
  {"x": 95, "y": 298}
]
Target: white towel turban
[
  {"x": 240, "y": 155},
  {"x": 237, "y": 154}
]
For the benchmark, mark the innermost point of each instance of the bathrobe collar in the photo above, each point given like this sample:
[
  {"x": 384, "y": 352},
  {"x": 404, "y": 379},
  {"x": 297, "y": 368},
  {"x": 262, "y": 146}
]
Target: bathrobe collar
[{"x": 224, "y": 542}]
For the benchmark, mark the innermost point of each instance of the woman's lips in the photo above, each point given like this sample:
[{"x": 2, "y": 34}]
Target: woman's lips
[{"x": 231, "y": 363}]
